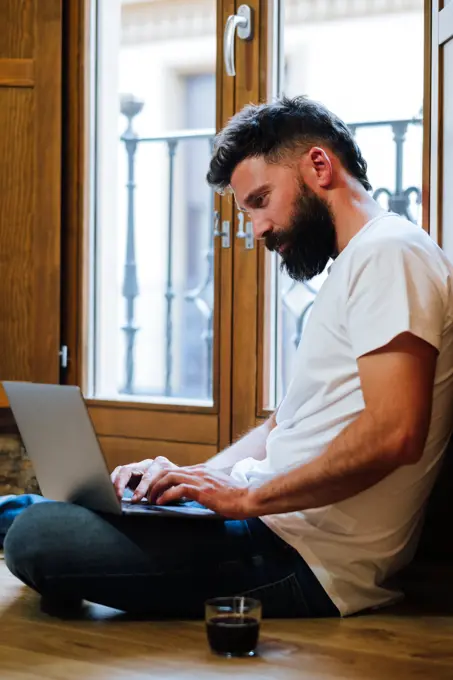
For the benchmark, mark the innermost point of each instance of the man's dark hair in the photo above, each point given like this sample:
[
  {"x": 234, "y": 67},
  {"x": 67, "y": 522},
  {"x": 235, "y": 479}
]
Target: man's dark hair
[{"x": 277, "y": 130}]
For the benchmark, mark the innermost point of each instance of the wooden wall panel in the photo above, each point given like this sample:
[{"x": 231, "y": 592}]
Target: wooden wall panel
[
  {"x": 147, "y": 424},
  {"x": 30, "y": 189},
  {"x": 16, "y": 230},
  {"x": 17, "y": 72},
  {"x": 16, "y": 28},
  {"x": 120, "y": 451}
]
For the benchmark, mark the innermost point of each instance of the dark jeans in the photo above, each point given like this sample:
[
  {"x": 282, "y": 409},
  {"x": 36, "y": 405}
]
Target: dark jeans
[{"x": 162, "y": 567}]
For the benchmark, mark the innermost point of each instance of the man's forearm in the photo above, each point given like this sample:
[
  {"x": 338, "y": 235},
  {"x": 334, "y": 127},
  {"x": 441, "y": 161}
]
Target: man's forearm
[
  {"x": 361, "y": 455},
  {"x": 251, "y": 445}
]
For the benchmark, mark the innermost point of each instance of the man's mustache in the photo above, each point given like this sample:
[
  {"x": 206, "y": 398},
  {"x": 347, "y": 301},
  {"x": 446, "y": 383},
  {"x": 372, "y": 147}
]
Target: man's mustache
[{"x": 274, "y": 241}]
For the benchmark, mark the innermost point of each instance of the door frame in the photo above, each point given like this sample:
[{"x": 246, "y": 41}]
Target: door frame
[{"x": 441, "y": 21}]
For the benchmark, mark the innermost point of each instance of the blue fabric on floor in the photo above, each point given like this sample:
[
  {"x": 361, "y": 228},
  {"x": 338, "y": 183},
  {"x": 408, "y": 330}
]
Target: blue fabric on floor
[{"x": 11, "y": 506}]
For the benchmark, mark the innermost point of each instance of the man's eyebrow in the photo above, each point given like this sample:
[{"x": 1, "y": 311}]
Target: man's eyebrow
[{"x": 250, "y": 199}]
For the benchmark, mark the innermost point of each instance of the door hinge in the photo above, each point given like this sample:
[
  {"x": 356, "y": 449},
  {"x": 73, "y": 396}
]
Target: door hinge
[{"x": 64, "y": 356}]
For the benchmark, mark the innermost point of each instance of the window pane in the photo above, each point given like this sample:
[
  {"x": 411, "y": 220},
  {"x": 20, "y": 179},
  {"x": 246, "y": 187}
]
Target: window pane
[
  {"x": 333, "y": 52},
  {"x": 152, "y": 252}
]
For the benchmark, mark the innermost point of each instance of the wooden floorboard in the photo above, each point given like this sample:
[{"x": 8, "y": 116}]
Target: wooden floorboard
[{"x": 104, "y": 644}]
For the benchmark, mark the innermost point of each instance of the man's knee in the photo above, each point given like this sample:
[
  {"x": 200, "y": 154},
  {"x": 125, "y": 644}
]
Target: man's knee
[{"x": 39, "y": 541}]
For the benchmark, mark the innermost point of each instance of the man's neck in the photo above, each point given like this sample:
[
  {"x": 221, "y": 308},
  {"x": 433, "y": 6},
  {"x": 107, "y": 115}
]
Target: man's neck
[{"x": 353, "y": 208}]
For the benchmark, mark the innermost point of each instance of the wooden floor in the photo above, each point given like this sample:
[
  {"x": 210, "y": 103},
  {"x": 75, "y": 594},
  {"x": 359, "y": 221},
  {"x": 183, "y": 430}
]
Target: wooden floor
[{"x": 34, "y": 646}]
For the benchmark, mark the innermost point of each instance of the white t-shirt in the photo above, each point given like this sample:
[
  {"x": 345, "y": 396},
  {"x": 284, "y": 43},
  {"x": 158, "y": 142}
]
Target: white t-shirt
[{"x": 390, "y": 278}]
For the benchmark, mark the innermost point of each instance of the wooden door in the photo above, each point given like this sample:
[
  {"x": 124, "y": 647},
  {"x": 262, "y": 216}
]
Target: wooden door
[
  {"x": 30, "y": 158},
  {"x": 381, "y": 97},
  {"x": 134, "y": 419}
]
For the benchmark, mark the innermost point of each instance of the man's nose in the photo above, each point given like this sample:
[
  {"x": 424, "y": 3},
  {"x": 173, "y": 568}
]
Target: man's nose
[{"x": 261, "y": 228}]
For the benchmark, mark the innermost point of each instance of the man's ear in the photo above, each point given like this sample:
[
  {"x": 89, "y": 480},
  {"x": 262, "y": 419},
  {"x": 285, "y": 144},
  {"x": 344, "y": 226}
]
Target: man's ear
[{"x": 319, "y": 167}]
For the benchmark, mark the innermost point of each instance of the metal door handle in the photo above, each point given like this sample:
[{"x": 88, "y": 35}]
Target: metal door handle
[
  {"x": 243, "y": 22},
  {"x": 247, "y": 235},
  {"x": 225, "y": 233}
]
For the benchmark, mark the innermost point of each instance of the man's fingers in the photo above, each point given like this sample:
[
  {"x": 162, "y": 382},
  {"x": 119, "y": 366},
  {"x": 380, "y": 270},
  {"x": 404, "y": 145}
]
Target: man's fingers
[
  {"x": 142, "y": 488},
  {"x": 168, "y": 479},
  {"x": 156, "y": 471},
  {"x": 172, "y": 478},
  {"x": 121, "y": 480},
  {"x": 175, "y": 493}
]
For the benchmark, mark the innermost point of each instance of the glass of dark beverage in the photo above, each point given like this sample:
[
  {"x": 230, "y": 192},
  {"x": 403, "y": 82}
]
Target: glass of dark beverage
[{"x": 233, "y": 625}]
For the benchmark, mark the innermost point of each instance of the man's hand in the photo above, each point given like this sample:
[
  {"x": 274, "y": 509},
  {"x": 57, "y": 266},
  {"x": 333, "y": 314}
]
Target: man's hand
[
  {"x": 139, "y": 476},
  {"x": 212, "y": 488}
]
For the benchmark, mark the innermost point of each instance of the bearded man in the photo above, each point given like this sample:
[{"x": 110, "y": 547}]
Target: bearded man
[{"x": 323, "y": 504}]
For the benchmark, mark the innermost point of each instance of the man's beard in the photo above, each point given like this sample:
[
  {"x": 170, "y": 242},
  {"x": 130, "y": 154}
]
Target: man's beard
[{"x": 309, "y": 241}]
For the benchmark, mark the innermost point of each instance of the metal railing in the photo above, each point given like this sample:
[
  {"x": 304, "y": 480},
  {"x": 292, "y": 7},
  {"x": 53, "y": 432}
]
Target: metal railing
[
  {"x": 399, "y": 200},
  {"x": 130, "y": 291}
]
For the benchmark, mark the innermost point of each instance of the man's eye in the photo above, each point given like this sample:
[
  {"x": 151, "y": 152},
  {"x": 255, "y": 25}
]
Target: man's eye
[{"x": 259, "y": 202}]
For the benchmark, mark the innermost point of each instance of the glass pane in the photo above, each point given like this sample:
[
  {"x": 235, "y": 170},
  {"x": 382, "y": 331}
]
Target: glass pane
[
  {"x": 333, "y": 52},
  {"x": 152, "y": 279}
]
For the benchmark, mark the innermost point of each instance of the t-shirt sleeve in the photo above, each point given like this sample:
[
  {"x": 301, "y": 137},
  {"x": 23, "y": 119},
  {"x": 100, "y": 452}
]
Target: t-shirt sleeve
[{"x": 392, "y": 289}]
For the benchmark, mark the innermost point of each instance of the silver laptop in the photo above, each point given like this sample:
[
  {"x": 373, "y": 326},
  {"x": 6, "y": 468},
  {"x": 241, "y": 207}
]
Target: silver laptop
[{"x": 60, "y": 440}]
